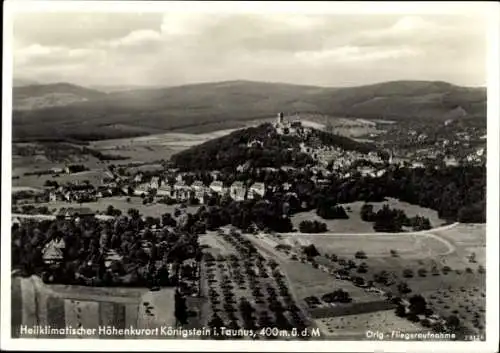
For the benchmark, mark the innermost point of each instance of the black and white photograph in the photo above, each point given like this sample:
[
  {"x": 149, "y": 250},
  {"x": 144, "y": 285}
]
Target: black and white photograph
[{"x": 250, "y": 176}]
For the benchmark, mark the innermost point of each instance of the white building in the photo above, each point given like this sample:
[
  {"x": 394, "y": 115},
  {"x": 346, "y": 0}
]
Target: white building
[
  {"x": 53, "y": 251},
  {"x": 155, "y": 183},
  {"x": 256, "y": 189},
  {"x": 218, "y": 187},
  {"x": 138, "y": 178},
  {"x": 164, "y": 190},
  {"x": 237, "y": 191}
]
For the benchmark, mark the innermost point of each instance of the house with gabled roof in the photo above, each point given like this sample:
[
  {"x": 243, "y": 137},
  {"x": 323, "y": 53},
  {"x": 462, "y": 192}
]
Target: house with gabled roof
[
  {"x": 256, "y": 189},
  {"x": 52, "y": 252},
  {"x": 217, "y": 187},
  {"x": 154, "y": 183}
]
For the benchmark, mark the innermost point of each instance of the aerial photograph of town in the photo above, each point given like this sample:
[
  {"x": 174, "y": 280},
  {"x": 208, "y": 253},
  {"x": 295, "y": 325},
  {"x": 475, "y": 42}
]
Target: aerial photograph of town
[{"x": 240, "y": 176}]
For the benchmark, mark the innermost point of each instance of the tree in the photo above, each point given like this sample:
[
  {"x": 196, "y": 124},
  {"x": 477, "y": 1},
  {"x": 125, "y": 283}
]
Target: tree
[
  {"x": 422, "y": 272},
  {"x": 180, "y": 308},
  {"x": 360, "y": 255},
  {"x": 452, "y": 323},
  {"x": 418, "y": 304},
  {"x": 408, "y": 273},
  {"x": 312, "y": 227},
  {"x": 401, "y": 310},
  {"x": 366, "y": 213},
  {"x": 403, "y": 288},
  {"x": 363, "y": 268},
  {"x": 310, "y": 251}
]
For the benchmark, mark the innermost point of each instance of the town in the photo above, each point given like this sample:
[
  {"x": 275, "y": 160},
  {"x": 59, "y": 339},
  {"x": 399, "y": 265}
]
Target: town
[{"x": 229, "y": 223}]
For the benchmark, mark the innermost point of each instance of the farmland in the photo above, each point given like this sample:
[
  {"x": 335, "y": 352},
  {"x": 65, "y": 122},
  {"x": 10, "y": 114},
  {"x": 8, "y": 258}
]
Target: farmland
[
  {"x": 358, "y": 327},
  {"x": 246, "y": 289},
  {"x": 439, "y": 260}
]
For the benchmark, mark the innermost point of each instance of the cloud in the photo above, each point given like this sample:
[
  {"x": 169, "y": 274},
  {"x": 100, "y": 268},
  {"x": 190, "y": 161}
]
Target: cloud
[{"x": 177, "y": 48}]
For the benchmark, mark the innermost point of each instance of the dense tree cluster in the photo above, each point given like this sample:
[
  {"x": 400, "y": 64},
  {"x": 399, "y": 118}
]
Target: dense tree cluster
[
  {"x": 328, "y": 211},
  {"x": 337, "y": 296},
  {"x": 141, "y": 243},
  {"x": 227, "y": 152},
  {"x": 392, "y": 220},
  {"x": 246, "y": 215},
  {"x": 312, "y": 227}
]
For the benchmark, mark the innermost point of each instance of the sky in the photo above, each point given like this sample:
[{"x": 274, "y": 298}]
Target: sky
[{"x": 169, "y": 49}]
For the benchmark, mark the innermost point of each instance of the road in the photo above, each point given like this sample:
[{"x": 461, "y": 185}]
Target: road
[{"x": 425, "y": 233}]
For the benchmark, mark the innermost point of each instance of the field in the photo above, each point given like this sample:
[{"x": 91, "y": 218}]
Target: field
[
  {"x": 154, "y": 147},
  {"x": 120, "y": 202},
  {"x": 362, "y": 326},
  {"x": 60, "y": 306},
  {"x": 95, "y": 177},
  {"x": 407, "y": 245},
  {"x": 458, "y": 290},
  {"x": 356, "y": 225},
  {"x": 248, "y": 288},
  {"x": 307, "y": 281}
]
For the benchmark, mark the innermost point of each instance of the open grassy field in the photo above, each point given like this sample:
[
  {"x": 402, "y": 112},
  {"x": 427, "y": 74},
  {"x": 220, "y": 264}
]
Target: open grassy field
[
  {"x": 120, "y": 202},
  {"x": 407, "y": 245},
  {"x": 60, "y": 306},
  {"x": 94, "y": 176},
  {"x": 154, "y": 147},
  {"x": 356, "y": 225}
]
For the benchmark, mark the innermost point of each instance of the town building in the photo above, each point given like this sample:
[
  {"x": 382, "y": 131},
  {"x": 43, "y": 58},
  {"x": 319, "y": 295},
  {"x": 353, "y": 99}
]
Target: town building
[
  {"x": 237, "y": 191},
  {"x": 218, "y": 187},
  {"x": 72, "y": 213},
  {"x": 256, "y": 189},
  {"x": 53, "y": 252},
  {"x": 164, "y": 190},
  {"x": 154, "y": 183}
]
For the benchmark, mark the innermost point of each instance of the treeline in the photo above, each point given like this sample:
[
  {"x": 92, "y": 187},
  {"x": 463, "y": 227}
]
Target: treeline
[
  {"x": 312, "y": 227},
  {"x": 392, "y": 220},
  {"x": 102, "y": 156},
  {"x": 456, "y": 193}
]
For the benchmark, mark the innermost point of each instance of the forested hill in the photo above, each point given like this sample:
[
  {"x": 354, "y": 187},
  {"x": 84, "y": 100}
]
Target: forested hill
[
  {"x": 220, "y": 105},
  {"x": 260, "y": 147}
]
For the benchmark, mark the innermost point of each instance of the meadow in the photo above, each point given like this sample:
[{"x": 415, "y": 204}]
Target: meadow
[{"x": 356, "y": 225}]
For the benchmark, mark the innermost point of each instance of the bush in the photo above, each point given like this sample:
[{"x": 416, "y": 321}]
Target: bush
[
  {"x": 360, "y": 255},
  {"x": 312, "y": 227},
  {"x": 408, "y": 273},
  {"x": 422, "y": 272}
]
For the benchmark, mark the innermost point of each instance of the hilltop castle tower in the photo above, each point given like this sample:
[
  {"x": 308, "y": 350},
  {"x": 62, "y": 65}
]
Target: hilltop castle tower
[{"x": 280, "y": 118}]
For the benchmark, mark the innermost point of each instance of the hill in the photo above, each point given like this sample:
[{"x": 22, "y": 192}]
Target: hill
[
  {"x": 261, "y": 147},
  {"x": 142, "y": 111},
  {"x": 30, "y": 97}
]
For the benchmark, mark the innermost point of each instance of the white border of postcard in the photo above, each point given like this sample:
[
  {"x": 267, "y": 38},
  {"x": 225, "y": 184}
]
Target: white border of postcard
[{"x": 491, "y": 13}]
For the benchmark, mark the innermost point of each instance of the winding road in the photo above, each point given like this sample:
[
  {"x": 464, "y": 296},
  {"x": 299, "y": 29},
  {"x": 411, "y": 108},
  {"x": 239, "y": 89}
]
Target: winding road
[{"x": 425, "y": 233}]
